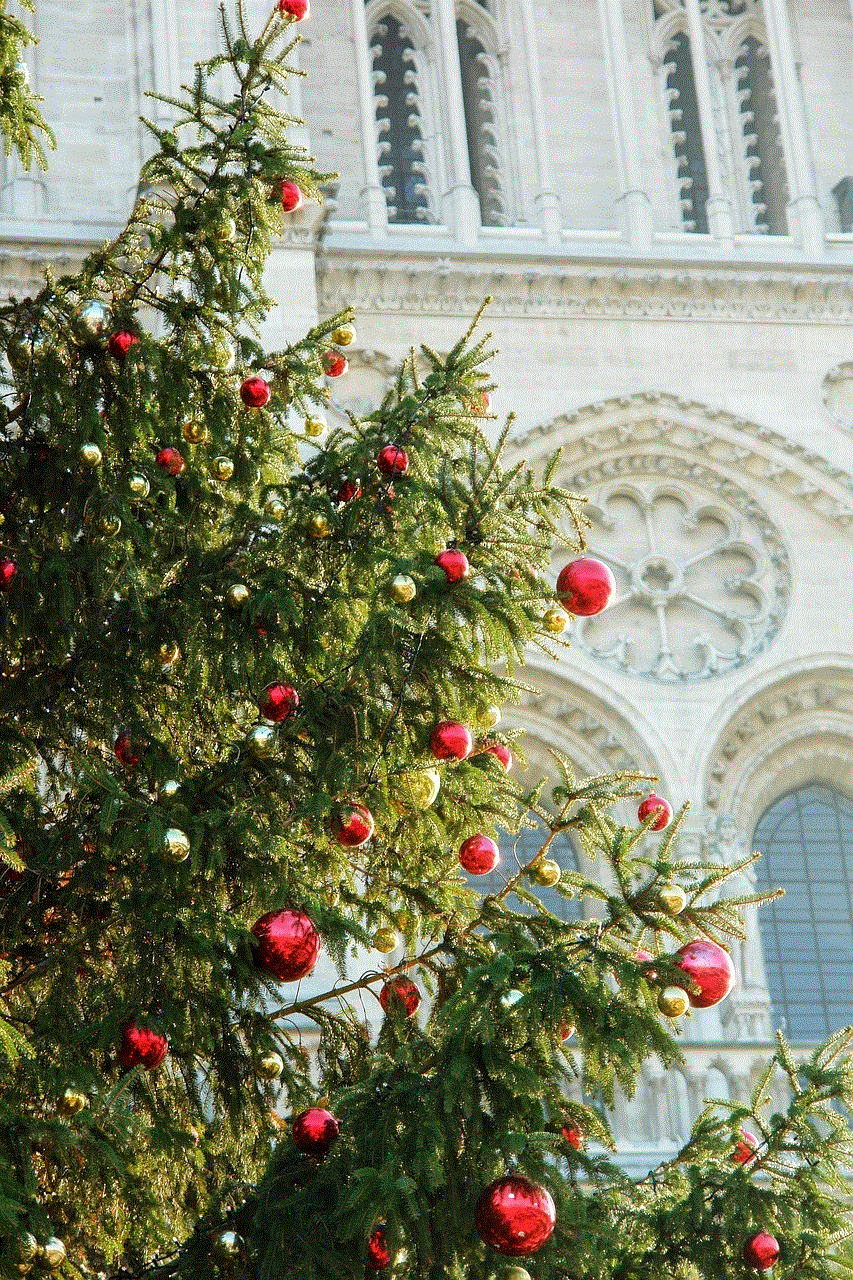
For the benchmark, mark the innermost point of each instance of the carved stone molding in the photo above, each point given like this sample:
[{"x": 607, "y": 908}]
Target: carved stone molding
[
  {"x": 838, "y": 394},
  {"x": 593, "y": 736}
]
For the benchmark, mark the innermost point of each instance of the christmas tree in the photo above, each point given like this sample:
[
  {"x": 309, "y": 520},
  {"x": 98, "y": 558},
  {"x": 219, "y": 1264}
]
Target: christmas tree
[{"x": 249, "y": 716}]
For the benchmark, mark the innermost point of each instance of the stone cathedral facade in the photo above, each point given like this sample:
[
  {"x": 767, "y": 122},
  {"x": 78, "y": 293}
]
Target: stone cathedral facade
[{"x": 658, "y": 197}]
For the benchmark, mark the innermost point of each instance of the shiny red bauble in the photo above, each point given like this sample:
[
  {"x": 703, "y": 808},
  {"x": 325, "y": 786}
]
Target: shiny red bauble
[
  {"x": 10, "y": 878},
  {"x": 141, "y": 1047},
  {"x": 515, "y": 1216},
  {"x": 500, "y": 751},
  {"x": 171, "y": 461},
  {"x": 120, "y": 343},
  {"x": 8, "y": 573},
  {"x": 353, "y": 825},
  {"x": 655, "y": 804},
  {"x": 585, "y": 587},
  {"x": 400, "y": 992},
  {"x": 277, "y": 702},
  {"x": 573, "y": 1134},
  {"x": 450, "y": 740},
  {"x": 334, "y": 364},
  {"x": 745, "y": 1148},
  {"x": 710, "y": 971},
  {"x": 255, "y": 392},
  {"x": 378, "y": 1255},
  {"x": 392, "y": 460},
  {"x": 296, "y": 10},
  {"x": 126, "y": 751},
  {"x": 315, "y": 1130},
  {"x": 291, "y": 196},
  {"x": 479, "y": 855},
  {"x": 287, "y": 944},
  {"x": 761, "y": 1251},
  {"x": 349, "y": 489},
  {"x": 454, "y": 563}
]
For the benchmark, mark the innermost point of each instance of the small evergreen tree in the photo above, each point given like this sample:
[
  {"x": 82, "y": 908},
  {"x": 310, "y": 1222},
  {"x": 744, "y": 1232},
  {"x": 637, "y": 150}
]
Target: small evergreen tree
[{"x": 240, "y": 667}]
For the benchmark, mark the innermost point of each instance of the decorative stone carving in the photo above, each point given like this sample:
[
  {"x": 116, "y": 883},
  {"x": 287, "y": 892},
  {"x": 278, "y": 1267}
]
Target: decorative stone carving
[{"x": 838, "y": 394}]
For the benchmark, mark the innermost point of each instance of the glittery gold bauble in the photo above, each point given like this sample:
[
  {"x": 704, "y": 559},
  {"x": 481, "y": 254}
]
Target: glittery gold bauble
[
  {"x": 138, "y": 486},
  {"x": 403, "y": 920},
  {"x": 168, "y": 654},
  {"x": 169, "y": 789},
  {"x": 420, "y": 787},
  {"x": 555, "y": 620},
  {"x": 222, "y": 468},
  {"x": 547, "y": 873},
  {"x": 52, "y": 1254},
  {"x": 344, "y": 335},
  {"x": 24, "y": 1254},
  {"x": 275, "y": 509},
  {"x": 269, "y": 1066},
  {"x": 261, "y": 741},
  {"x": 227, "y": 230},
  {"x": 673, "y": 1002},
  {"x": 176, "y": 846},
  {"x": 385, "y": 940},
  {"x": 70, "y": 1102},
  {"x": 237, "y": 595},
  {"x": 314, "y": 427},
  {"x": 489, "y": 717},
  {"x": 318, "y": 526},
  {"x": 109, "y": 526},
  {"x": 18, "y": 353},
  {"x": 672, "y": 899},
  {"x": 515, "y": 1273},
  {"x": 90, "y": 455},
  {"x": 90, "y": 321},
  {"x": 228, "y": 1247},
  {"x": 402, "y": 589},
  {"x": 194, "y": 432}
]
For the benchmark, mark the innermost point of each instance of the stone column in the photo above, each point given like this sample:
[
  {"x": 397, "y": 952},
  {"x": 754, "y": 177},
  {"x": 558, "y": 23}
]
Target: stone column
[
  {"x": 546, "y": 199},
  {"x": 637, "y": 209},
  {"x": 372, "y": 193},
  {"x": 719, "y": 204},
  {"x": 461, "y": 201}
]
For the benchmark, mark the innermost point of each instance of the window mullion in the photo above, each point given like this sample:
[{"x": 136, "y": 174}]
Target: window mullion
[
  {"x": 372, "y": 194},
  {"x": 719, "y": 204},
  {"x": 462, "y": 199}
]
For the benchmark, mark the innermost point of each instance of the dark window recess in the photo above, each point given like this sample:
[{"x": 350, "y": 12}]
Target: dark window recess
[
  {"x": 807, "y": 842},
  {"x": 843, "y": 192},
  {"x": 687, "y": 134},
  {"x": 526, "y": 846},
  {"x": 483, "y": 157},
  {"x": 401, "y": 164},
  {"x": 768, "y": 186}
]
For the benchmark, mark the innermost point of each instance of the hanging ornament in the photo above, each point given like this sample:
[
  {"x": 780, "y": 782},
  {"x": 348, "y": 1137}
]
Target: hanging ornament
[
  {"x": 479, "y": 855},
  {"x": 275, "y": 509},
  {"x": 489, "y": 717},
  {"x": 126, "y": 751},
  {"x": 255, "y": 392},
  {"x": 315, "y": 1130},
  {"x": 278, "y": 702},
  {"x": 138, "y": 486},
  {"x": 194, "y": 432},
  {"x": 176, "y": 846},
  {"x": 25, "y": 1252},
  {"x": 761, "y": 1251},
  {"x": 515, "y": 1216},
  {"x": 51, "y": 1254},
  {"x": 90, "y": 321},
  {"x": 171, "y": 461},
  {"x": 287, "y": 944},
  {"x": 547, "y": 873},
  {"x": 402, "y": 589},
  {"x": 108, "y": 526},
  {"x": 392, "y": 460},
  {"x": 90, "y": 454},
  {"x": 710, "y": 971},
  {"x": 510, "y": 999},
  {"x": 344, "y": 335},
  {"x": 673, "y": 1002},
  {"x": 228, "y": 1247},
  {"x": 8, "y": 573},
  {"x": 352, "y": 825},
  {"x": 237, "y": 595},
  {"x": 555, "y": 621},
  {"x": 290, "y": 193},
  {"x": 566, "y": 1031},
  {"x": 10, "y": 878},
  {"x": 585, "y": 587},
  {"x": 420, "y": 787},
  {"x": 269, "y": 1066},
  {"x": 385, "y": 940},
  {"x": 500, "y": 751},
  {"x": 655, "y": 804},
  {"x": 169, "y": 653},
  {"x": 70, "y": 1103},
  {"x": 573, "y": 1134},
  {"x": 334, "y": 363},
  {"x": 450, "y": 740},
  {"x": 221, "y": 469},
  {"x": 745, "y": 1148},
  {"x": 671, "y": 898},
  {"x": 261, "y": 741},
  {"x": 168, "y": 790},
  {"x": 400, "y": 993},
  {"x": 314, "y": 427},
  {"x": 141, "y": 1047},
  {"x": 378, "y": 1255},
  {"x": 516, "y": 1273},
  {"x": 454, "y": 563},
  {"x": 349, "y": 489},
  {"x": 318, "y": 526},
  {"x": 120, "y": 343}
]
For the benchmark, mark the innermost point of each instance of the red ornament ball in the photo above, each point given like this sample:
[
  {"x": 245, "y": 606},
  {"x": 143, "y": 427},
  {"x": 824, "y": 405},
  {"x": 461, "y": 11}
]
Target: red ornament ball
[
  {"x": 120, "y": 343},
  {"x": 349, "y": 489},
  {"x": 646, "y": 957},
  {"x": 655, "y": 804},
  {"x": 479, "y": 855},
  {"x": 141, "y": 1047},
  {"x": 500, "y": 751},
  {"x": 171, "y": 461},
  {"x": 278, "y": 702},
  {"x": 288, "y": 944},
  {"x": 8, "y": 574},
  {"x": 515, "y": 1216},
  {"x": 573, "y": 1134},
  {"x": 450, "y": 740},
  {"x": 255, "y": 392},
  {"x": 315, "y": 1130},
  {"x": 400, "y": 991},
  {"x": 454, "y": 563},
  {"x": 392, "y": 460},
  {"x": 353, "y": 825},
  {"x": 378, "y": 1255},
  {"x": 334, "y": 364},
  {"x": 290, "y": 195},
  {"x": 710, "y": 971},
  {"x": 126, "y": 751},
  {"x": 585, "y": 587},
  {"x": 761, "y": 1251},
  {"x": 10, "y": 878},
  {"x": 745, "y": 1148},
  {"x": 296, "y": 10}
]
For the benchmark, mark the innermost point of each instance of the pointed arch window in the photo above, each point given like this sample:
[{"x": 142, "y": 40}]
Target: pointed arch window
[
  {"x": 482, "y": 124},
  {"x": 765, "y": 191},
  {"x": 399, "y": 122},
  {"x": 686, "y": 133}
]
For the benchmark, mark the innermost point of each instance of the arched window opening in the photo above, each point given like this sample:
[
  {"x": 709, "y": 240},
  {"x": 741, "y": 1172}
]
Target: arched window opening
[
  {"x": 766, "y": 184},
  {"x": 481, "y": 125},
  {"x": 686, "y": 133},
  {"x": 399, "y": 123},
  {"x": 807, "y": 842}
]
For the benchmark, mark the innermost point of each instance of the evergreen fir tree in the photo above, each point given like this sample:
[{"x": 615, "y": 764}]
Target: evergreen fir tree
[{"x": 248, "y": 710}]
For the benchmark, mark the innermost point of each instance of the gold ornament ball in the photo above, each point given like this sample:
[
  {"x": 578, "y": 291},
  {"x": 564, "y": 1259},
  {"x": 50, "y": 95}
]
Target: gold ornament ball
[
  {"x": 672, "y": 899},
  {"x": 515, "y": 1273},
  {"x": 90, "y": 321},
  {"x": 344, "y": 335},
  {"x": 403, "y": 920},
  {"x": 547, "y": 873},
  {"x": 90, "y": 455},
  {"x": 108, "y": 526},
  {"x": 228, "y": 1246},
  {"x": 138, "y": 486},
  {"x": 385, "y": 940},
  {"x": 52, "y": 1254},
  {"x": 227, "y": 230},
  {"x": 18, "y": 353},
  {"x": 269, "y": 1066},
  {"x": 222, "y": 468},
  {"x": 275, "y": 509},
  {"x": 176, "y": 846},
  {"x": 489, "y": 717},
  {"x": 314, "y": 427},
  {"x": 261, "y": 741},
  {"x": 26, "y": 1251},
  {"x": 194, "y": 432},
  {"x": 673, "y": 1002},
  {"x": 421, "y": 787},
  {"x": 509, "y": 999},
  {"x": 555, "y": 621},
  {"x": 169, "y": 653},
  {"x": 70, "y": 1102},
  {"x": 319, "y": 527},
  {"x": 169, "y": 789},
  {"x": 402, "y": 589},
  {"x": 237, "y": 595}
]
